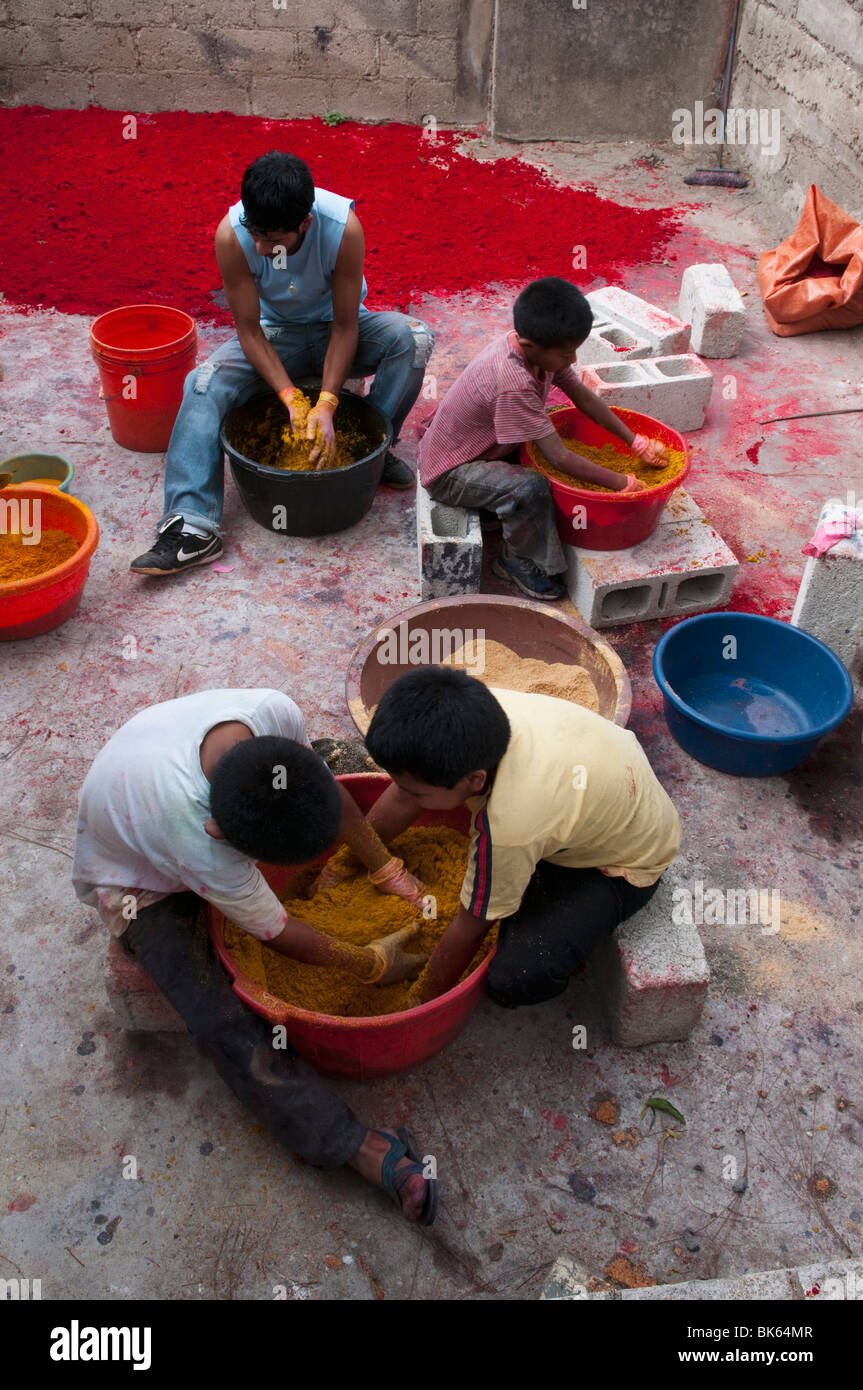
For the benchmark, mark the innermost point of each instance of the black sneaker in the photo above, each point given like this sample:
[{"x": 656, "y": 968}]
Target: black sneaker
[
  {"x": 525, "y": 575},
  {"x": 175, "y": 549},
  {"x": 397, "y": 474}
]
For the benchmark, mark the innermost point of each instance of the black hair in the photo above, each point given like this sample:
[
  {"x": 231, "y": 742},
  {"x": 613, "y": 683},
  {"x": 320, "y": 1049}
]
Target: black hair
[
  {"x": 274, "y": 799},
  {"x": 277, "y": 192},
  {"x": 438, "y": 725},
  {"x": 552, "y": 313}
]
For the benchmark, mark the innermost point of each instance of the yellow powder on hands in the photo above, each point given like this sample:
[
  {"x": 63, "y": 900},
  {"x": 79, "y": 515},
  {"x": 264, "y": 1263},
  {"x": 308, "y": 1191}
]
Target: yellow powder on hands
[
  {"x": 503, "y": 668},
  {"x": 356, "y": 912},
  {"x": 267, "y": 438},
  {"x": 619, "y": 460},
  {"x": 20, "y": 561}
]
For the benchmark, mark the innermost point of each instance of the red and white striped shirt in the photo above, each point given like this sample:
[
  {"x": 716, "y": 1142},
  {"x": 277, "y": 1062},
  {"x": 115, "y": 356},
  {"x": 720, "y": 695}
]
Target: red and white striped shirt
[{"x": 495, "y": 403}]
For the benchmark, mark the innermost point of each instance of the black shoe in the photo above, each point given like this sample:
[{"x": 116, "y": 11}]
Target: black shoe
[
  {"x": 397, "y": 474},
  {"x": 175, "y": 550},
  {"x": 525, "y": 575}
]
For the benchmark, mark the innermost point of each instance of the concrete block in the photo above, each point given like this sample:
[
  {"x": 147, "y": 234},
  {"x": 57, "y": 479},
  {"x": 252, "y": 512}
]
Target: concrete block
[
  {"x": 834, "y": 1280},
  {"x": 449, "y": 544},
  {"x": 685, "y": 567},
  {"x": 710, "y": 302},
  {"x": 609, "y": 342},
  {"x": 138, "y": 1003},
  {"x": 424, "y": 56},
  {"x": 830, "y": 598},
  {"x": 675, "y": 390},
  {"x": 665, "y": 332},
  {"x": 652, "y": 974}
]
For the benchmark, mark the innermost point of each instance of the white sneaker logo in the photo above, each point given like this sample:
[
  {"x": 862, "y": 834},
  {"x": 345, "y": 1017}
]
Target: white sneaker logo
[{"x": 192, "y": 555}]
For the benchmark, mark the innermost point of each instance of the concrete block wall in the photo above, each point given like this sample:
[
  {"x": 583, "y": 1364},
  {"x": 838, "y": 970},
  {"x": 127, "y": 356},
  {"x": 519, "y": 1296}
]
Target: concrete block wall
[
  {"x": 395, "y": 60},
  {"x": 804, "y": 57}
]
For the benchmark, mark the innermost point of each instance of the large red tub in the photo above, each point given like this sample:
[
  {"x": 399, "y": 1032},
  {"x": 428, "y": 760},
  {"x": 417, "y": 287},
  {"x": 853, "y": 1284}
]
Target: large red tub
[
  {"x": 612, "y": 522},
  {"x": 361, "y": 1048}
]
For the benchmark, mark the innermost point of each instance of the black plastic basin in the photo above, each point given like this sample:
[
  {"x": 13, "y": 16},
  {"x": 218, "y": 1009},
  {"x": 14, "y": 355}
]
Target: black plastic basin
[{"x": 299, "y": 503}]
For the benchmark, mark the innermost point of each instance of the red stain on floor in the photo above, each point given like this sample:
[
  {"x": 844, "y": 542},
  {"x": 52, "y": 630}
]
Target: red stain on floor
[{"x": 23, "y": 1202}]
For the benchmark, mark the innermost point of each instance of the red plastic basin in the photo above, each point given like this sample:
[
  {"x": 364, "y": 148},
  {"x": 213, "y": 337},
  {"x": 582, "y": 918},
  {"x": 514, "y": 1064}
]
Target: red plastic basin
[
  {"x": 612, "y": 522},
  {"x": 29, "y": 607},
  {"x": 361, "y": 1048}
]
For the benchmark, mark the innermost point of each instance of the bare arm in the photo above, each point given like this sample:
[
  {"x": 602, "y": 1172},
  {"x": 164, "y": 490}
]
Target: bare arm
[
  {"x": 304, "y": 943},
  {"x": 245, "y": 305},
  {"x": 347, "y": 287},
  {"x": 595, "y": 409},
  {"x": 453, "y": 954},
  {"x": 392, "y": 813},
  {"x": 554, "y": 449}
]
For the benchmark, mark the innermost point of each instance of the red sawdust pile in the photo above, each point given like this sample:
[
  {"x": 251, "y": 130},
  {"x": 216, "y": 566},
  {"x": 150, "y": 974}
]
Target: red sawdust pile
[{"x": 93, "y": 220}]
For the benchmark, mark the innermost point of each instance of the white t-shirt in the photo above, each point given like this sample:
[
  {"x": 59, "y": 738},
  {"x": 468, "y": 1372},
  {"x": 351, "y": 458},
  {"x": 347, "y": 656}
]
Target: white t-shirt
[{"x": 144, "y": 804}]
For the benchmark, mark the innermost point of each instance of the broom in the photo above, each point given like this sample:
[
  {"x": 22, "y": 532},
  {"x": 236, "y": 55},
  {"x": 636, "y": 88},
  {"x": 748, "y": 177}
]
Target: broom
[{"x": 719, "y": 177}]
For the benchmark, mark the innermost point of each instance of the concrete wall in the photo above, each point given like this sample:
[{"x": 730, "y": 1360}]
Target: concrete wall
[
  {"x": 371, "y": 59},
  {"x": 613, "y": 70},
  {"x": 804, "y": 57}
]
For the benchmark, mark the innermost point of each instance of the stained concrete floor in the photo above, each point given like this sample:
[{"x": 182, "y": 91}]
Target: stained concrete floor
[{"x": 768, "y": 1079}]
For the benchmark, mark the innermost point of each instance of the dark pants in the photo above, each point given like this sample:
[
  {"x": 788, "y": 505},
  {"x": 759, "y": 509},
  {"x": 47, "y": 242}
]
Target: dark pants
[
  {"x": 171, "y": 941},
  {"x": 564, "y": 914},
  {"x": 520, "y": 498}
]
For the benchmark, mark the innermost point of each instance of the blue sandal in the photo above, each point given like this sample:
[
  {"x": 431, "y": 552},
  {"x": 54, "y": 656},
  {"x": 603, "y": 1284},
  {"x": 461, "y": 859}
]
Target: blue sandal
[{"x": 392, "y": 1182}]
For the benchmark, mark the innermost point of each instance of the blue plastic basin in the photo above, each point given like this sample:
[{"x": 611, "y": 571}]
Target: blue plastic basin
[{"x": 749, "y": 695}]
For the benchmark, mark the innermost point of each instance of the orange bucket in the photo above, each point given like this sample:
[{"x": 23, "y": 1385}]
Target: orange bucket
[
  {"x": 29, "y": 607},
  {"x": 144, "y": 353}
]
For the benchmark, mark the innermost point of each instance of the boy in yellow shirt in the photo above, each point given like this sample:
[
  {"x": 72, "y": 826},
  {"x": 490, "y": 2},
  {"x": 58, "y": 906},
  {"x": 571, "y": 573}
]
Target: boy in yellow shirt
[{"x": 570, "y": 833}]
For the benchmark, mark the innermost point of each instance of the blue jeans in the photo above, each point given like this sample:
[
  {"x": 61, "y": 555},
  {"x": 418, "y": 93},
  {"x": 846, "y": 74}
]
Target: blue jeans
[{"x": 392, "y": 346}]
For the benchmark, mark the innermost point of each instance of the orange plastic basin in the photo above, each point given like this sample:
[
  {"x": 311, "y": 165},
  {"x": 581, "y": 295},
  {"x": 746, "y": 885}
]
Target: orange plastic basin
[
  {"x": 361, "y": 1048},
  {"x": 612, "y": 522},
  {"x": 29, "y": 607}
]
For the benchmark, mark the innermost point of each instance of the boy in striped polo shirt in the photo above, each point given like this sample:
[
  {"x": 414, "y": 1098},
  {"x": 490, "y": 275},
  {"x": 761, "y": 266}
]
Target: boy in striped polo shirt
[
  {"x": 571, "y": 830},
  {"x": 468, "y": 455}
]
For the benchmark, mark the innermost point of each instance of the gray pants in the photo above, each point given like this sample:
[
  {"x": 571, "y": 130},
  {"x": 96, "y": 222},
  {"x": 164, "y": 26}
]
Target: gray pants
[{"x": 520, "y": 498}]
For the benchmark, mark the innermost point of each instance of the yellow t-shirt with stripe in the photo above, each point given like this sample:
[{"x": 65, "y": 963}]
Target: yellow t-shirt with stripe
[{"x": 574, "y": 789}]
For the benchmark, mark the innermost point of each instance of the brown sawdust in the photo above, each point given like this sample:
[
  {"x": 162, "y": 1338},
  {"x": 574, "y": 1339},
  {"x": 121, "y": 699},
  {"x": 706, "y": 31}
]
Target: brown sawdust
[
  {"x": 505, "y": 669},
  {"x": 356, "y": 912},
  {"x": 609, "y": 456},
  {"x": 20, "y": 561},
  {"x": 269, "y": 440}
]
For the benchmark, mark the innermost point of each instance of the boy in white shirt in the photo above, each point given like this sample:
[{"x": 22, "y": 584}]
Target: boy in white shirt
[{"x": 178, "y": 806}]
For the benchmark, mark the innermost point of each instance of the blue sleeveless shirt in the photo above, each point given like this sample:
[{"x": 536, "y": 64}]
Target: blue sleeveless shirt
[{"x": 301, "y": 291}]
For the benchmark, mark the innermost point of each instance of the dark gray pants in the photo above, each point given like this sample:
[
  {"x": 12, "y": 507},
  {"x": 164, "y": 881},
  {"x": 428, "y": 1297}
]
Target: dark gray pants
[
  {"x": 519, "y": 497},
  {"x": 171, "y": 941},
  {"x": 563, "y": 916}
]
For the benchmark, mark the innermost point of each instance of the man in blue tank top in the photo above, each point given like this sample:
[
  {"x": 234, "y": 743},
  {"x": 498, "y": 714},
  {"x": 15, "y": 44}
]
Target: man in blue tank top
[{"x": 291, "y": 259}]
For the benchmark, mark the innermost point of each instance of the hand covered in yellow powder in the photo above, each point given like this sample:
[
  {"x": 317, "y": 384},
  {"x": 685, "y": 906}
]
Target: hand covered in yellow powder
[
  {"x": 650, "y": 451},
  {"x": 332, "y": 874},
  {"x": 395, "y": 878},
  {"x": 320, "y": 427},
  {"x": 395, "y": 962}
]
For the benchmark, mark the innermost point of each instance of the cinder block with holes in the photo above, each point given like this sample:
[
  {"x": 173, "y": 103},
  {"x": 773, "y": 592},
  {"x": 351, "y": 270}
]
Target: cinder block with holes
[
  {"x": 138, "y": 1003},
  {"x": 652, "y": 973},
  {"x": 830, "y": 598},
  {"x": 665, "y": 332},
  {"x": 609, "y": 342},
  {"x": 710, "y": 302},
  {"x": 449, "y": 545},
  {"x": 684, "y": 567},
  {"x": 675, "y": 390}
]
